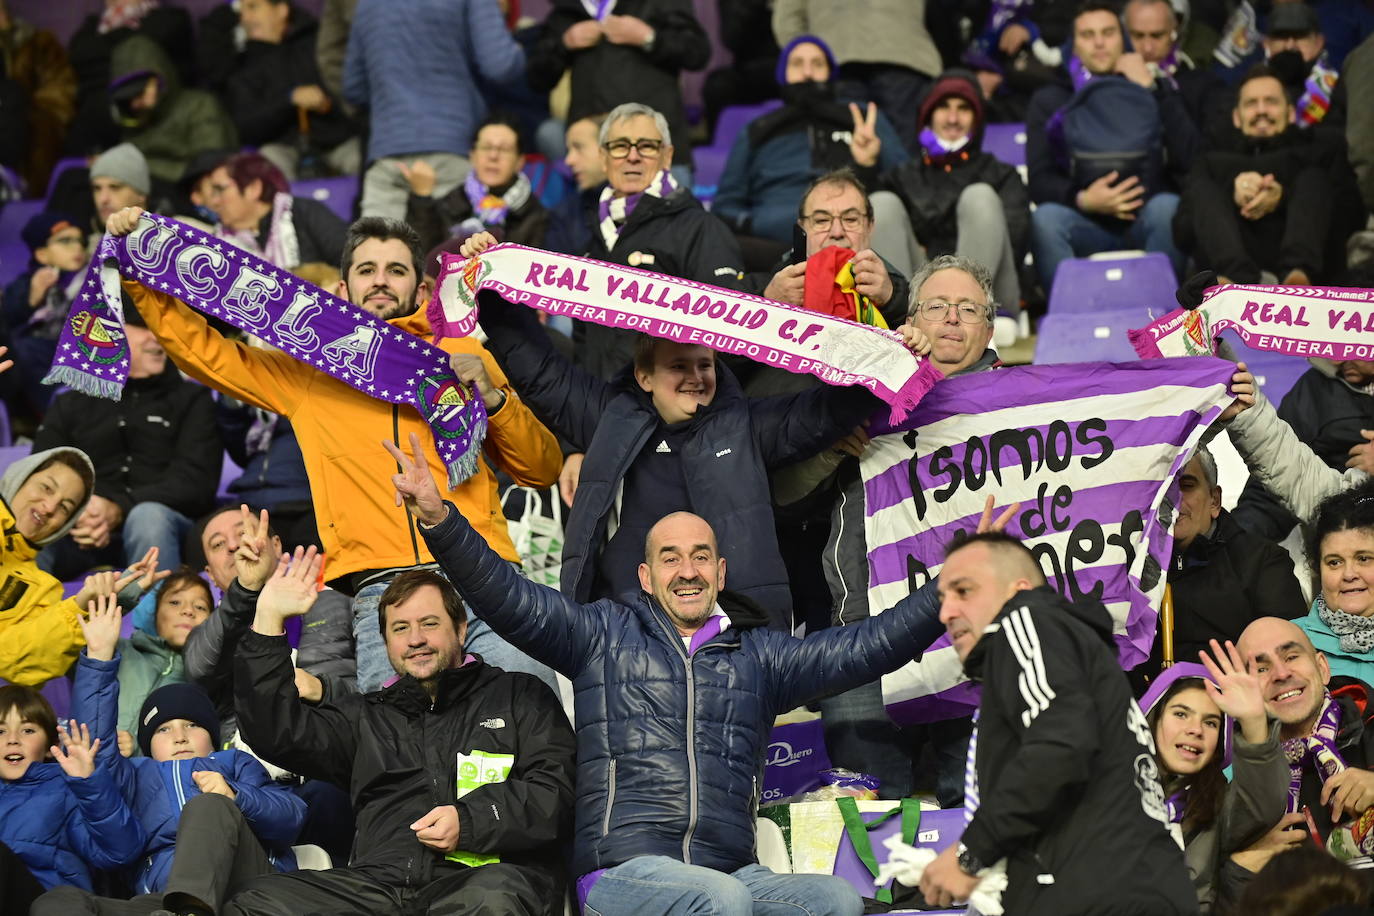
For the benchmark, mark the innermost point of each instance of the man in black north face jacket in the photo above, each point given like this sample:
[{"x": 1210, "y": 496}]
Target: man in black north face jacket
[
  {"x": 1067, "y": 790},
  {"x": 460, "y": 773}
]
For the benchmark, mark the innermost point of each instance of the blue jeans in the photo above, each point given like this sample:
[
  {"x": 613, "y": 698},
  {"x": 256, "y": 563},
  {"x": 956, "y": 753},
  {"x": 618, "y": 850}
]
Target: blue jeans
[
  {"x": 667, "y": 887},
  {"x": 1059, "y": 233},
  {"x": 146, "y": 525},
  {"x": 374, "y": 668}
]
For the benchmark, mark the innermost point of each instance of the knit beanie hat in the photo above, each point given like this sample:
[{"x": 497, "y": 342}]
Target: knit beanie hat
[
  {"x": 41, "y": 227},
  {"x": 780, "y": 71},
  {"x": 123, "y": 163},
  {"x": 176, "y": 701}
]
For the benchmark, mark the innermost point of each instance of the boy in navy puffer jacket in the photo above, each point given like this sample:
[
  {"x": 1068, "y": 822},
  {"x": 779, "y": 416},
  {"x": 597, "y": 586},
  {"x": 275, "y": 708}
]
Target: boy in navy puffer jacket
[{"x": 61, "y": 815}]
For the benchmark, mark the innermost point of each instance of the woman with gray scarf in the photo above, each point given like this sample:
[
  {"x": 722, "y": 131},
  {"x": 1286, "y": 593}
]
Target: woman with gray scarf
[{"x": 1341, "y": 550}]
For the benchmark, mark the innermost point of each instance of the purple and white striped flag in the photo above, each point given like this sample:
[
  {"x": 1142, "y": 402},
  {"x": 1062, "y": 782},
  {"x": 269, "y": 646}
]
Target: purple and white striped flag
[{"x": 1090, "y": 450}]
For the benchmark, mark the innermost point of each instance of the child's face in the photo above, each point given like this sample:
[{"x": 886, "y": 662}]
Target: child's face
[
  {"x": 21, "y": 744},
  {"x": 181, "y": 610},
  {"x": 66, "y": 250},
  {"x": 179, "y": 739}
]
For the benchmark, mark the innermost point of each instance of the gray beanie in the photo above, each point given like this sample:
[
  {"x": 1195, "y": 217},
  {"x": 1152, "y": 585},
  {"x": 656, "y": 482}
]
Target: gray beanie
[{"x": 123, "y": 163}]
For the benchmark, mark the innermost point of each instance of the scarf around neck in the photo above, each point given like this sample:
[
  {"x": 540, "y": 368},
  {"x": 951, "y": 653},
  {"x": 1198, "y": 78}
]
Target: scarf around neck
[
  {"x": 615, "y": 211},
  {"x": 1356, "y": 632},
  {"x": 1319, "y": 748},
  {"x": 337, "y": 338},
  {"x": 598, "y": 9},
  {"x": 282, "y": 248},
  {"x": 490, "y": 208},
  {"x": 939, "y": 150}
]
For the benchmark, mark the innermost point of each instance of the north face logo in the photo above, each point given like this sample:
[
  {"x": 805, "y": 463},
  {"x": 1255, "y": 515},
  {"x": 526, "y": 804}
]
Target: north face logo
[{"x": 496, "y": 722}]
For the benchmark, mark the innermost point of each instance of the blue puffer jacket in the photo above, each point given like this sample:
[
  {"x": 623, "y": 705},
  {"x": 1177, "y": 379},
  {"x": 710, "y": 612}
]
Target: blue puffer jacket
[
  {"x": 731, "y": 445},
  {"x": 62, "y": 828},
  {"x": 670, "y": 746},
  {"x": 157, "y": 791}
]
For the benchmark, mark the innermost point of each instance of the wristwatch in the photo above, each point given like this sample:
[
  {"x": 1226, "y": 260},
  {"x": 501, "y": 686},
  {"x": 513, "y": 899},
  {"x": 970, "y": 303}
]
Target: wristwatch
[
  {"x": 968, "y": 862},
  {"x": 648, "y": 44}
]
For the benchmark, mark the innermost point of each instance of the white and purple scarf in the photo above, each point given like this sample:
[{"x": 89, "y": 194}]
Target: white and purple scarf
[
  {"x": 492, "y": 209},
  {"x": 614, "y": 211},
  {"x": 283, "y": 249},
  {"x": 599, "y": 9},
  {"x": 1334, "y": 323},
  {"x": 337, "y": 338}
]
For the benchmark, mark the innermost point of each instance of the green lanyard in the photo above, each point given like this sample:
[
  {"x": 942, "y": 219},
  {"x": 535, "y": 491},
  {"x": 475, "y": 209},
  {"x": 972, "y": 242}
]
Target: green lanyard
[{"x": 857, "y": 828}]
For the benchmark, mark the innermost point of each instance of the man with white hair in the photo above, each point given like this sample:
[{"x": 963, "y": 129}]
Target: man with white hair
[{"x": 644, "y": 219}]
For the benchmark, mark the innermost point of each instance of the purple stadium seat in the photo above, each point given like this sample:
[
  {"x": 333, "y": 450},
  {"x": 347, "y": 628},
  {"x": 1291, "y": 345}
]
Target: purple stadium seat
[
  {"x": 72, "y": 162},
  {"x": 1006, "y": 141},
  {"x": 9, "y": 454},
  {"x": 710, "y": 163},
  {"x": 6, "y": 435},
  {"x": 338, "y": 194},
  {"x": 13, "y": 217},
  {"x": 59, "y": 693},
  {"x": 229, "y": 473},
  {"x": 14, "y": 260},
  {"x": 734, "y": 118},
  {"x": 1078, "y": 338},
  {"x": 1124, "y": 281}
]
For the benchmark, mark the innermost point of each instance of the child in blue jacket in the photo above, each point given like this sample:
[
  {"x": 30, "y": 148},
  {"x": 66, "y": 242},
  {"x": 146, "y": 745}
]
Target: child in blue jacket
[
  {"x": 214, "y": 819},
  {"x": 61, "y": 817}
]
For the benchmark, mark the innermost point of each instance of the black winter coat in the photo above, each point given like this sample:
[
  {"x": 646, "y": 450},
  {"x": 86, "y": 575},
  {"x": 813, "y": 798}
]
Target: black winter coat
[
  {"x": 931, "y": 195},
  {"x": 1222, "y": 583},
  {"x": 433, "y": 217},
  {"x": 1327, "y": 414},
  {"x": 1068, "y": 787},
  {"x": 258, "y": 90},
  {"x": 395, "y": 752},
  {"x": 670, "y": 746},
  {"x": 671, "y": 235},
  {"x": 606, "y": 75},
  {"x": 730, "y": 446},
  {"x": 158, "y": 444}
]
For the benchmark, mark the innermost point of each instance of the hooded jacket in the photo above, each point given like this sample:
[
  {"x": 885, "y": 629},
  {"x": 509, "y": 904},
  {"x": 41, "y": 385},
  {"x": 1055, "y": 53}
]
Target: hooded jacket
[
  {"x": 778, "y": 154},
  {"x": 158, "y": 443},
  {"x": 158, "y": 790},
  {"x": 725, "y": 452},
  {"x": 61, "y": 827},
  {"x": 1327, "y": 413},
  {"x": 396, "y": 753},
  {"x": 39, "y": 630},
  {"x": 929, "y": 186},
  {"x": 147, "y": 662},
  {"x": 671, "y": 235},
  {"x": 1069, "y": 789},
  {"x": 183, "y": 123},
  {"x": 340, "y": 433},
  {"x": 670, "y": 745},
  {"x": 1254, "y": 801}
]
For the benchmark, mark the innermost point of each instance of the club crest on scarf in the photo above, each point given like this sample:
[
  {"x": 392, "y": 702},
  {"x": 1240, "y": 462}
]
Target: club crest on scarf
[{"x": 300, "y": 319}]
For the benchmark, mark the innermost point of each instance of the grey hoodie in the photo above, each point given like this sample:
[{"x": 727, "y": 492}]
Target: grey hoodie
[{"x": 17, "y": 473}]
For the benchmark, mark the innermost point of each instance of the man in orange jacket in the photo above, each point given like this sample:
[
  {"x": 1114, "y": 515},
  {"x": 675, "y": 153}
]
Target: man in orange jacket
[{"x": 366, "y": 537}]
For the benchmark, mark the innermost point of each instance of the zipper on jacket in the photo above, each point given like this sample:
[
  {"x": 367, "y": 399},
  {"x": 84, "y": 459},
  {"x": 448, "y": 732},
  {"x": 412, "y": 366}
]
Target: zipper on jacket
[
  {"x": 676, "y": 640},
  {"x": 610, "y": 800},
  {"x": 176, "y": 779},
  {"x": 410, "y": 520}
]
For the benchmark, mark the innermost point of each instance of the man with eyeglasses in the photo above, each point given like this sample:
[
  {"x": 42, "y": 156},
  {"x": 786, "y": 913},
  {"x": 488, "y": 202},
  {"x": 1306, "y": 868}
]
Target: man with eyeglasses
[
  {"x": 835, "y": 211},
  {"x": 644, "y": 219},
  {"x": 950, "y": 322}
]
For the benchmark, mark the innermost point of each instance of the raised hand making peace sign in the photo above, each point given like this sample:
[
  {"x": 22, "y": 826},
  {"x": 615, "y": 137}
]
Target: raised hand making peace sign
[
  {"x": 415, "y": 487},
  {"x": 864, "y": 144}
]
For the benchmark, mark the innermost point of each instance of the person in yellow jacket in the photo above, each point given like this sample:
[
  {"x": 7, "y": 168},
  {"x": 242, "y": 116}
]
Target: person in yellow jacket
[
  {"x": 41, "y": 497},
  {"x": 366, "y": 537}
]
